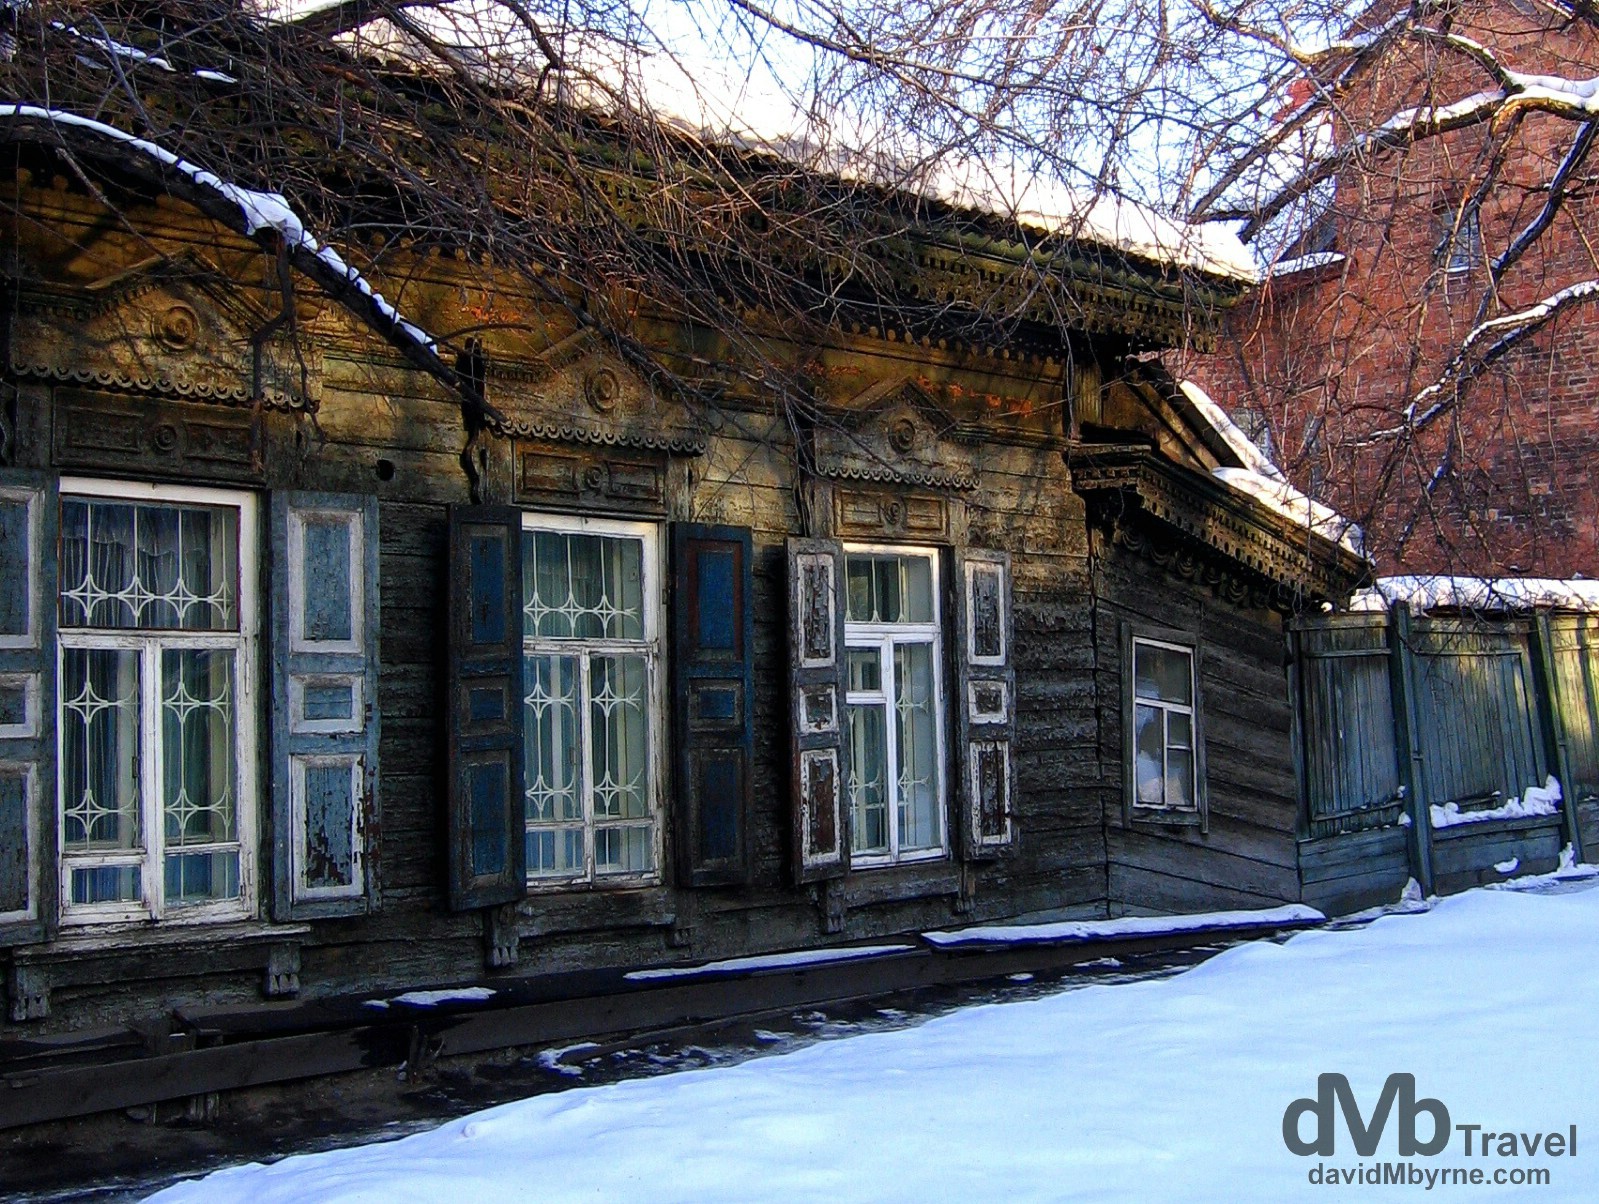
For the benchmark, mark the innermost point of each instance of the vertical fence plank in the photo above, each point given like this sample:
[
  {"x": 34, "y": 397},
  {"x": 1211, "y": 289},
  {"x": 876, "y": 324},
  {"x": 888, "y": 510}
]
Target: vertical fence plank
[{"x": 1410, "y": 765}]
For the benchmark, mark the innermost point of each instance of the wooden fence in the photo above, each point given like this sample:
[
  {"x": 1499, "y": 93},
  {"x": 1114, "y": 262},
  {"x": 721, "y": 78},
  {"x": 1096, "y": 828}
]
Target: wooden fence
[{"x": 1397, "y": 714}]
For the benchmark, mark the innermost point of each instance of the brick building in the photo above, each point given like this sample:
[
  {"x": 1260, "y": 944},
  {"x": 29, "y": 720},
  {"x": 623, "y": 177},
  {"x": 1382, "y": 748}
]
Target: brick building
[{"x": 1379, "y": 288}]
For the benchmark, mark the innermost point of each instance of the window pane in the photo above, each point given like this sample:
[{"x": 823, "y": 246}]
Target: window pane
[
  {"x": 916, "y": 589},
  {"x": 1148, "y": 756},
  {"x": 105, "y": 884},
  {"x": 583, "y": 586},
  {"x": 1164, "y": 674},
  {"x": 1180, "y": 778},
  {"x": 917, "y": 753},
  {"x": 618, "y": 714},
  {"x": 555, "y": 852},
  {"x": 141, "y": 565},
  {"x": 554, "y": 741},
  {"x": 99, "y": 750},
  {"x": 865, "y": 670},
  {"x": 868, "y": 793},
  {"x": 889, "y": 589},
  {"x": 1179, "y": 730},
  {"x": 622, "y": 850},
  {"x": 201, "y": 877},
  {"x": 197, "y": 770}
]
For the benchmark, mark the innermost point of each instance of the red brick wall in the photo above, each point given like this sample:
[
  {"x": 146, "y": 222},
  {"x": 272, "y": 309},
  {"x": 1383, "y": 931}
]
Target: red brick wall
[{"x": 1332, "y": 356}]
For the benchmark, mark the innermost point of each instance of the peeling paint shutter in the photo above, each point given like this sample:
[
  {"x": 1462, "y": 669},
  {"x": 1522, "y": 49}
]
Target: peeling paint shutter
[
  {"x": 487, "y": 809},
  {"x": 29, "y": 517},
  {"x": 985, "y": 704},
  {"x": 816, "y": 699},
  {"x": 324, "y": 669},
  {"x": 713, "y": 696}
]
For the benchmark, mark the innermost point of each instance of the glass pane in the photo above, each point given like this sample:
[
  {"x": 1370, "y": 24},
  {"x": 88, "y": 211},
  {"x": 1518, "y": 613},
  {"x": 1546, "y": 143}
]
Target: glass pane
[
  {"x": 201, "y": 877},
  {"x": 99, "y": 749},
  {"x": 865, "y": 669},
  {"x": 554, "y": 740},
  {"x": 618, "y": 714},
  {"x": 1180, "y": 778},
  {"x": 917, "y": 768},
  {"x": 1163, "y": 674},
  {"x": 105, "y": 884},
  {"x": 860, "y": 606},
  {"x": 583, "y": 586},
  {"x": 889, "y": 589},
  {"x": 868, "y": 792},
  {"x": 1179, "y": 730},
  {"x": 1148, "y": 756},
  {"x": 916, "y": 589},
  {"x": 622, "y": 850},
  {"x": 197, "y": 741},
  {"x": 142, "y": 565},
  {"x": 555, "y": 852}
]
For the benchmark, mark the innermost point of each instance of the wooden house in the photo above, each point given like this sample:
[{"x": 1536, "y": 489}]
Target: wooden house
[{"x": 285, "y": 711}]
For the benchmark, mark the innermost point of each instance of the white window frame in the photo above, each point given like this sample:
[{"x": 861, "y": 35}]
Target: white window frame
[
  {"x": 245, "y": 642},
  {"x": 1167, "y": 709},
  {"x": 651, "y": 647},
  {"x": 884, "y": 637}
]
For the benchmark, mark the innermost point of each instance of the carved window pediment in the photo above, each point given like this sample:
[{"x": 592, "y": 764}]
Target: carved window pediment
[
  {"x": 896, "y": 432},
  {"x": 579, "y": 391},
  {"x": 172, "y": 326}
]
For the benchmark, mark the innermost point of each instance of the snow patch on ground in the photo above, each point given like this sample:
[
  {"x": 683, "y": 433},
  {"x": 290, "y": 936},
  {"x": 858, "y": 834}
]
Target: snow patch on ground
[
  {"x": 1164, "y": 1089},
  {"x": 1539, "y": 800},
  {"x": 429, "y": 999},
  {"x": 550, "y": 1059},
  {"x": 1126, "y": 926},
  {"x": 770, "y": 961}
]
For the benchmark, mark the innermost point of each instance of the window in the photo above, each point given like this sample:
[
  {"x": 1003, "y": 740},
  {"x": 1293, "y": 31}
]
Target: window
[
  {"x": 155, "y": 702},
  {"x": 1166, "y": 769},
  {"x": 1461, "y": 238},
  {"x": 894, "y": 732},
  {"x": 590, "y": 672}
]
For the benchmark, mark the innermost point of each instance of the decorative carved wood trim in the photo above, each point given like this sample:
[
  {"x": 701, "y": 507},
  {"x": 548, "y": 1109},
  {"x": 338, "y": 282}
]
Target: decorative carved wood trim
[
  {"x": 897, "y": 432},
  {"x": 171, "y": 327},
  {"x": 593, "y": 478},
  {"x": 101, "y": 431},
  {"x": 880, "y": 514},
  {"x": 1200, "y": 529},
  {"x": 577, "y": 392}
]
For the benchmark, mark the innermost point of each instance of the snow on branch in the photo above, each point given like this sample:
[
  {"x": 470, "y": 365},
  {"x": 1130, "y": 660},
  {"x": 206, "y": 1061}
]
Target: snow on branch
[
  {"x": 1502, "y": 335},
  {"x": 1514, "y": 92},
  {"x": 266, "y": 217}
]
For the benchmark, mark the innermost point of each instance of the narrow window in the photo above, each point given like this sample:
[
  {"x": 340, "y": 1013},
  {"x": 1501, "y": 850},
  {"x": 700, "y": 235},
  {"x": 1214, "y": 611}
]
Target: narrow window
[
  {"x": 893, "y": 706},
  {"x": 592, "y": 648},
  {"x": 155, "y": 712},
  {"x": 1462, "y": 236},
  {"x": 1163, "y": 726}
]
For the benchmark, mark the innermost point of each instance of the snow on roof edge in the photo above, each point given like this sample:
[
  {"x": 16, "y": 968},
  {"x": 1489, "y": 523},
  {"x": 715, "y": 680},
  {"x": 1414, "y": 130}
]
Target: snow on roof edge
[{"x": 1257, "y": 477}]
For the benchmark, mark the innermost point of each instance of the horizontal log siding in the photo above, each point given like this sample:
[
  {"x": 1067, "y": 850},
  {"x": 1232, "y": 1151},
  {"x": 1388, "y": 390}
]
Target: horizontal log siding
[{"x": 1248, "y": 858}]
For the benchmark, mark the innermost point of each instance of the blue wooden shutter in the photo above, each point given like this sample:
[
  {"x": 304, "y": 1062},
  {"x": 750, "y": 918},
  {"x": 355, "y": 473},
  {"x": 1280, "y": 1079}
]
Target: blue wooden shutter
[
  {"x": 29, "y": 518},
  {"x": 487, "y": 809},
  {"x": 816, "y": 700},
  {"x": 713, "y": 695},
  {"x": 324, "y": 671},
  {"x": 985, "y": 701}
]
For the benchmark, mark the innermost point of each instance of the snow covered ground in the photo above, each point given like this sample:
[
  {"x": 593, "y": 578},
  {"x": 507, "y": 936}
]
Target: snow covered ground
[{"x": 1170, "y": 1089}]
